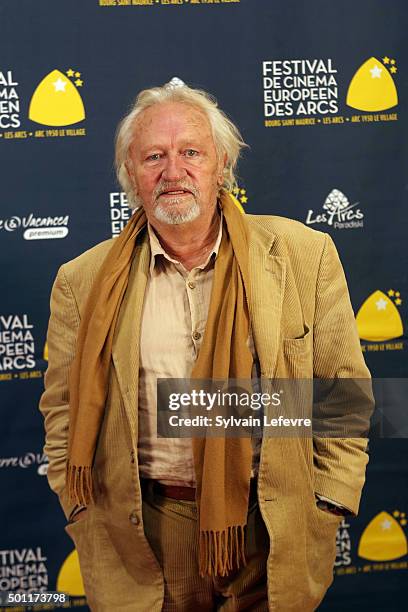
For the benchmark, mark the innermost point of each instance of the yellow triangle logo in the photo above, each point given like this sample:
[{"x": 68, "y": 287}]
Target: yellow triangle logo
[
  {"x": 378, "y": 319},
  {"x": 372, "y": 88},
  {"x": 56, "y": 101},
  {"x": 69, "y": 578},
  {"x": 383, "y": 539},
  {"x": 45, "y": 353}
]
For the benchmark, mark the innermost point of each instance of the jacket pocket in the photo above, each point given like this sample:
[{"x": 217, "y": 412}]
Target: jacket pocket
[
  {"x": 82, "y": 534},
  {"x": 299, "y": 342},
  {"x": 298, "y": 356},
  {"x": 328, "y": 516},
  {"x": 74, "y": 527}
]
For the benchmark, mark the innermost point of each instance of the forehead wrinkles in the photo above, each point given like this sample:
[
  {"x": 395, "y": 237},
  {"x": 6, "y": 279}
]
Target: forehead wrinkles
[{"x": 177, "y": 117}]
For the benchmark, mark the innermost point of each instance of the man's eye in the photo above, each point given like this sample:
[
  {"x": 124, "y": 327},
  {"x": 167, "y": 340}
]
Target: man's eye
[
  {"x": 154, "y": 157},
  {"x": 191, "y": 153}
]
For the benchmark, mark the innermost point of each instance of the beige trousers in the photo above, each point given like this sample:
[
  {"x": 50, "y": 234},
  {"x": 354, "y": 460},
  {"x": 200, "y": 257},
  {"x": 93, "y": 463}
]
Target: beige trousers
[{"x": 171, "y": 528}]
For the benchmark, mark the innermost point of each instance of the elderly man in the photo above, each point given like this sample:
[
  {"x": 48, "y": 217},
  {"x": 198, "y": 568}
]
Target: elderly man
[{"x": 194, "y": 288}]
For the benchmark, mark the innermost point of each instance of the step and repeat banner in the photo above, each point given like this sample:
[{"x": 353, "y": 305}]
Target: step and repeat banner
[{"x": 319, "y": 92}]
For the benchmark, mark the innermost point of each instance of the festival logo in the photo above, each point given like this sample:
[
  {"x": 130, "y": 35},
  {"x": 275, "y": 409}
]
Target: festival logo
[
  {"x": 338, "y": 212},
  {"x": 37, "y": 228},
  {"x": 17, "y": 348},
  {"x": 343, "y": 545},
  {"x": 9, "y": 101},
  {"x": 69, "y": 579},
  {"x": 120, "y": 212},
  {"x": 307, "y": 92},
  {"x": 299, "y": 88},
  {"x": 23, "y": 570},
  {"x": 384, "y": 538},
  {"x": 56, "y": 104},
  {"x": 372, "y": 88},
  {"x": 57, "y": 101},
  {"x": 380, "y": 546},
  {"x": 379, "y": 320}
]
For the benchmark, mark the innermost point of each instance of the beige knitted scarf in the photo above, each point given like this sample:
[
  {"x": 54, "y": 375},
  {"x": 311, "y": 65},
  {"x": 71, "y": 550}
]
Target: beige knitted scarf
[{"x": 222, "y": 465}]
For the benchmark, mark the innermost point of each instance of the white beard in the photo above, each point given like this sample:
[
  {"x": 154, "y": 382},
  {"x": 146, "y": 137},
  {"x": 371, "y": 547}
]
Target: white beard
[{"x": 171, "y": 216}]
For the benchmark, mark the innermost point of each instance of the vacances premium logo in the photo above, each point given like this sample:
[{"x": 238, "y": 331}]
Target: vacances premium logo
[
  {"x": 27, "y": 460},
  {"x": 36, "y": 228}
]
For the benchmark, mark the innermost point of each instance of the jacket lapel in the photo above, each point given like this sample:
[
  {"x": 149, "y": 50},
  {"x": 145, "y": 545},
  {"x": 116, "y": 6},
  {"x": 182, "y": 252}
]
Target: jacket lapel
[
  {"x": 267, "y": 273},
  {"x": 126, "y": 342}
]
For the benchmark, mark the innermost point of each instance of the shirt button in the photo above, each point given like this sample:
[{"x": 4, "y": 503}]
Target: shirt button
[
  {"x": 196, "y": 335},
  {"x": 134, "y": 518},
  {"x": 191, "y": 285}
]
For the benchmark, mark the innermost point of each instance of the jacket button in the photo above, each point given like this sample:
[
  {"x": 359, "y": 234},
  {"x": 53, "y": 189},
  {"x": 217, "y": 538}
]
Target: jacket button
[{"x": 134, "y": 518}]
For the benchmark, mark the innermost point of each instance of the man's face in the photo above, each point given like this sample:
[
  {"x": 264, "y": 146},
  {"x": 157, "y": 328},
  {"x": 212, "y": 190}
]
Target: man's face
[{"x": 173, "y": 163}]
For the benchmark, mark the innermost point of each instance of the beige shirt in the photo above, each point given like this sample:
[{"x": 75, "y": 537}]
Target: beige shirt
[{"x": 173, "y": 323}]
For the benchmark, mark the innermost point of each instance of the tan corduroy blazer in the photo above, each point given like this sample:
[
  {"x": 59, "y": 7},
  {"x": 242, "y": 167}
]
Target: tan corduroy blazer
[{"x": 303, "y": 326}]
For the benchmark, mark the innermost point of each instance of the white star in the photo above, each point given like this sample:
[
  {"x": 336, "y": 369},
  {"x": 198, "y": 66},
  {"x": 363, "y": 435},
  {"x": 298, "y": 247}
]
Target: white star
[
  {"x": 376, "y": 72},
  {"x": 60, "y": 85},
  {"x": 386, "y": 525},
  {"x": 381, "y": 304}
]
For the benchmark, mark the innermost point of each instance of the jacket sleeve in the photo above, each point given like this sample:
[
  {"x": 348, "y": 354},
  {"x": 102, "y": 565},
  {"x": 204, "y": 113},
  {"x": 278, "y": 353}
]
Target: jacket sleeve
[
  {"x": 340, "y": 462},
  {"x": 54, "y": 403}
]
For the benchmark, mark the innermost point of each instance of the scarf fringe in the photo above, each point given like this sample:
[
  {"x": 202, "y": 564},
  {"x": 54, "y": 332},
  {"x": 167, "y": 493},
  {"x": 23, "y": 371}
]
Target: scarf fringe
[
  {"x": 222, "y": 551},
  {"x": 79, "y": 484}
]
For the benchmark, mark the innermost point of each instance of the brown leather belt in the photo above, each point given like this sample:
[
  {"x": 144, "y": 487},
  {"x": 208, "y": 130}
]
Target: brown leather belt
[{"x": 185, "y": 493}]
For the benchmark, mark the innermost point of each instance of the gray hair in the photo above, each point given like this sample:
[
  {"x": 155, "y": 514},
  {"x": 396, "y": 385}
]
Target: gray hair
[{"x": 227, "y": 137}]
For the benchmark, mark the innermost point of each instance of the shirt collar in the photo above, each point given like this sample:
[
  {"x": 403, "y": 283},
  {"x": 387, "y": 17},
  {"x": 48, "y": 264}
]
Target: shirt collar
[{"x": 157, "y": 249}]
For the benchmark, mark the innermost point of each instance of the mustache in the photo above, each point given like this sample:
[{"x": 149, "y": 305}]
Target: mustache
[{"x": 171, "y": 186}]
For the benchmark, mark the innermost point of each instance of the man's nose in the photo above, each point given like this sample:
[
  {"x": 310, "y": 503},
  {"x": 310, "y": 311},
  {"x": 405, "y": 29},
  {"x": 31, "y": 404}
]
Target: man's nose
[{"x": 173, "y": 168}]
